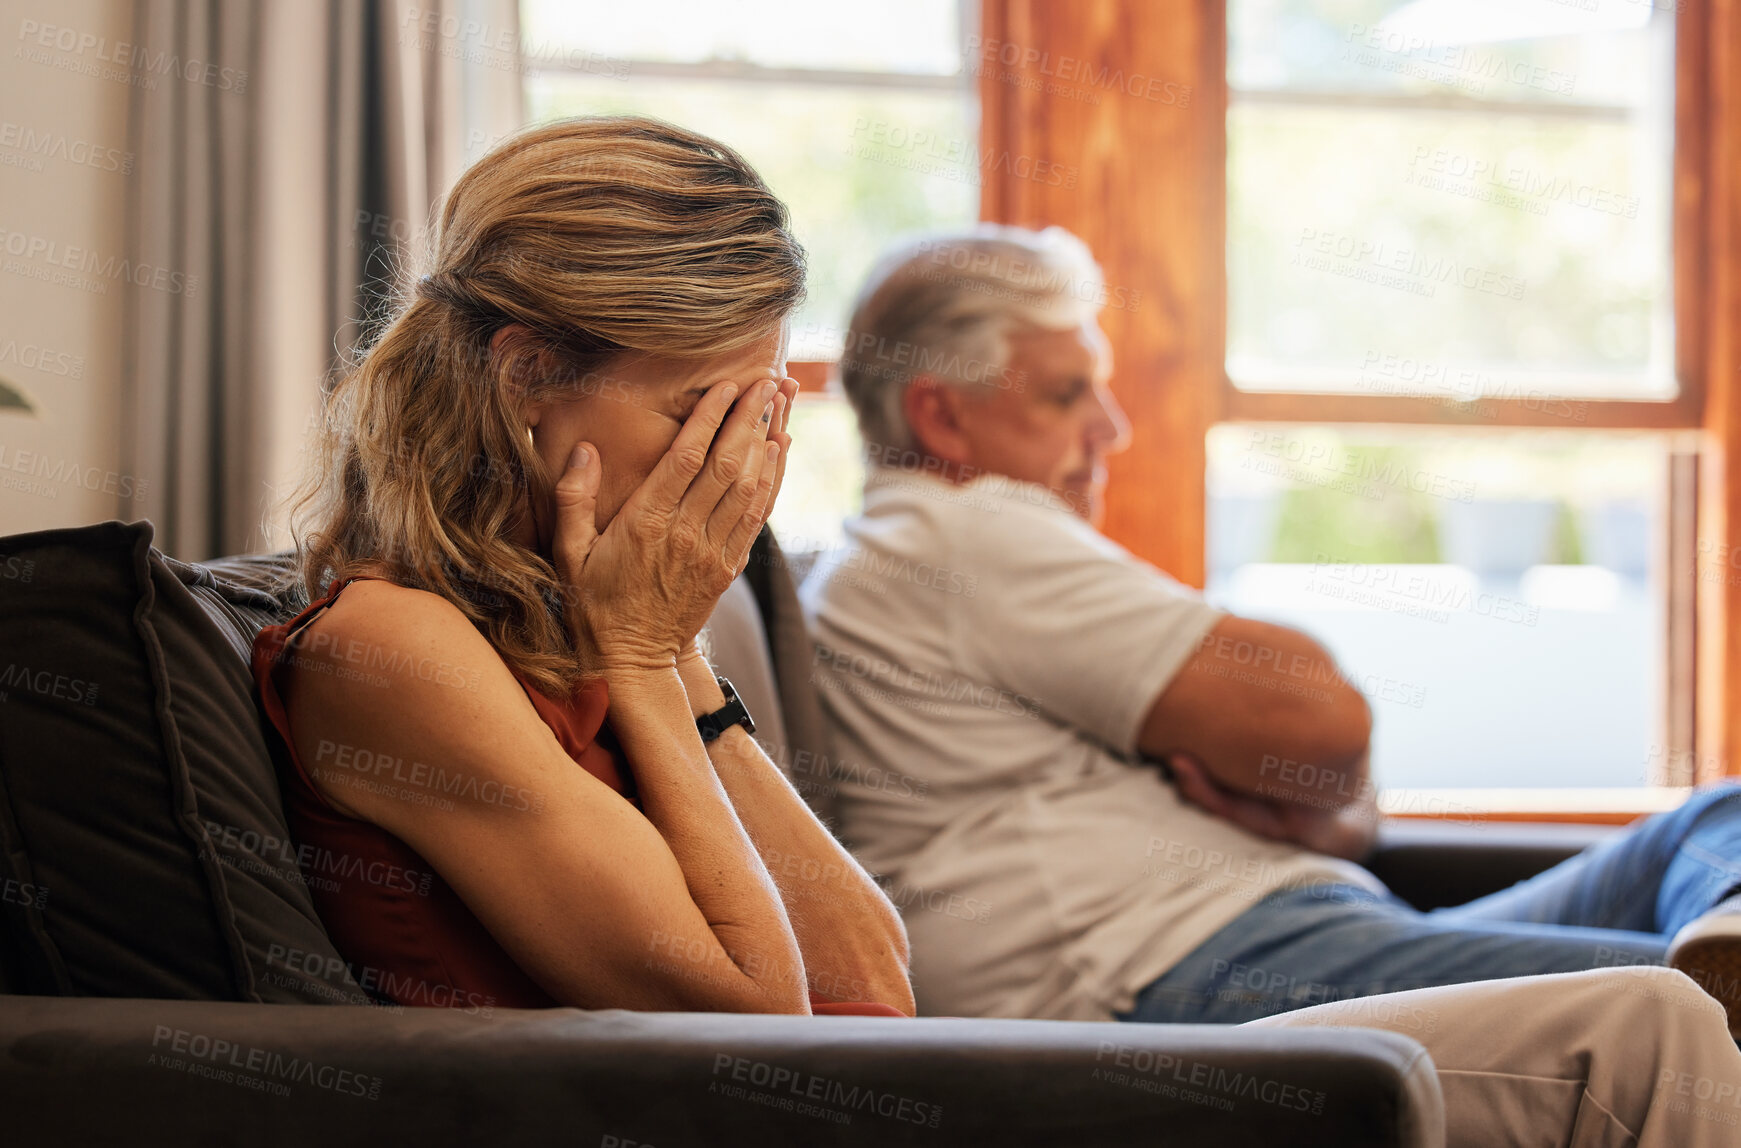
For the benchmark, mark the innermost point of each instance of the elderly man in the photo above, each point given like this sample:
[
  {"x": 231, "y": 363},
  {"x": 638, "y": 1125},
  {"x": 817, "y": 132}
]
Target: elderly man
[{"x": 1094, "y": 795}]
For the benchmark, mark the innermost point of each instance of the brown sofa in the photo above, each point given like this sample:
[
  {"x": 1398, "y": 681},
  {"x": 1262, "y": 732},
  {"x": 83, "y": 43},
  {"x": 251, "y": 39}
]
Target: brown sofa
[{"x": 166, "y": 980}]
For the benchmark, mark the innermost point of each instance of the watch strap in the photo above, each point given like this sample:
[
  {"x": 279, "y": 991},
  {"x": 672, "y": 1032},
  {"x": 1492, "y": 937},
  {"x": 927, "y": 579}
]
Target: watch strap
[{"x": 712, "y": 725}]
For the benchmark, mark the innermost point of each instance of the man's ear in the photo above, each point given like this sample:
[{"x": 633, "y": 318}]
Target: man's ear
[{"x": 935, "y": 413}]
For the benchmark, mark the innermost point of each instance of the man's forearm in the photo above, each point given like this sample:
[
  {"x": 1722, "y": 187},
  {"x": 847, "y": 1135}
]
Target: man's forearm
[
  {"x": 1286, "y": 726},
  {"x": 1349, "y": 830},
  {"x": 1324, "y": 826},
  {"x": 1326, "y": 780}
]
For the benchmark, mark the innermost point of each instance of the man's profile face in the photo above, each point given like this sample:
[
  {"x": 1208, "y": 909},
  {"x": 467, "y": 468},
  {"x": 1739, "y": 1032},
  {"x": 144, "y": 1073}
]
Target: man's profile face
[{"x": 1057, "y": 423}]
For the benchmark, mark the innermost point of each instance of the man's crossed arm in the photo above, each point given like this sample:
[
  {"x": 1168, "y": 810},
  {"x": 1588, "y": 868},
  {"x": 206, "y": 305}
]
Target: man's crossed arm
[{"x": 1261, "y": 728}]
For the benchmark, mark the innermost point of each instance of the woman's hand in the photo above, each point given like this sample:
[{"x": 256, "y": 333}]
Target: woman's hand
[
  {"x": 777, "y": 432},
  {"x": 644, "y": 587},
  {"x": 689, "y": 659}
]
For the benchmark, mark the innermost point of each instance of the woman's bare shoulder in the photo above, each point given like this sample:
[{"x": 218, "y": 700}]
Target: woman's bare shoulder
[
  {"x": 379, "y": 633},
  {"x": 377, "y": 609},
  {"x": 404, "y": 675}
]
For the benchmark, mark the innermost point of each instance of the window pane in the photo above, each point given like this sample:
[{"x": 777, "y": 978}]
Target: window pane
[
  {"x": 915, "y": 36},
  {"x": 1545, "y": 51},
  {"x": 1498, "y": 599},
  {"x": 1392, "y": 232}
]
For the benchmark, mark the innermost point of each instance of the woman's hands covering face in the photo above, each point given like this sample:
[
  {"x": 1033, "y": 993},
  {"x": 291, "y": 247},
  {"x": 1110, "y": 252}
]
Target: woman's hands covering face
[{"x": 640, "y": 591}]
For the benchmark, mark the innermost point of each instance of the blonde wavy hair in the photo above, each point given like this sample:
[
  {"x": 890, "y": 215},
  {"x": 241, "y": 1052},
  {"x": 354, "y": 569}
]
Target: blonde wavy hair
[{"x": 601, "y": 236}]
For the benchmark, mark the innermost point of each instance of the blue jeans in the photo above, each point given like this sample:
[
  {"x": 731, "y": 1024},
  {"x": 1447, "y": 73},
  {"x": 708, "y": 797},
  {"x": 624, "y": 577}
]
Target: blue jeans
[{"x": 1617, "y": 902}]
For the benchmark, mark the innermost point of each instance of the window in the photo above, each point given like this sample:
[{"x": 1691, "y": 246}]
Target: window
[
  {"x": 866, "y": 126},
  {"x": 1497, "y": 597},
  {"x": 1451, "y": 198},
  {"x": 1465, "y": 203}
]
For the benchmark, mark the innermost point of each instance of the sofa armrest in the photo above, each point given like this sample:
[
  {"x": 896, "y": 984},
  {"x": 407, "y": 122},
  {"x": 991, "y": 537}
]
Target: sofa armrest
[
  {"x": 1434, "y": 863},
  {"x": 145, "y": 1072}
]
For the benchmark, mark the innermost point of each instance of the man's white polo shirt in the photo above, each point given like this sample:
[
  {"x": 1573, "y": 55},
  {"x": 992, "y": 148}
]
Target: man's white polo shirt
[{"x": 987, "y": 659}]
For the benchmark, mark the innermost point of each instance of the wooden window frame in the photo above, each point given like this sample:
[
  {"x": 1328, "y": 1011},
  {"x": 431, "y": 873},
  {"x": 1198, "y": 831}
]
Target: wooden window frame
[{"x": 1149, "y": 196}]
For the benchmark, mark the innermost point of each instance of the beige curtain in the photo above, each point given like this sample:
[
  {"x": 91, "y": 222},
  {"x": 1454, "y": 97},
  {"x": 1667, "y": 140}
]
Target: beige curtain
[{"x": 287, "y": 166}]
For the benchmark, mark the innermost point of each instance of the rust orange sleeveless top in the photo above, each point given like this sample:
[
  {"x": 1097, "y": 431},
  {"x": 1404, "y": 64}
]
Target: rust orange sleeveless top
[{"x": 407, "y": 936}]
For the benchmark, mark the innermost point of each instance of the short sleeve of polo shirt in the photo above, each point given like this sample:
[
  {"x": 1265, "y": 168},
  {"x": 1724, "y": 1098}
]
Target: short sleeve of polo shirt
[{"x": 1085, "y": 630}]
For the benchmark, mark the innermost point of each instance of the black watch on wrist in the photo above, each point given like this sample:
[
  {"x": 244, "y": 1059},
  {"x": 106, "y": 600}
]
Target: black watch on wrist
[{"x": 732, "y": 713}]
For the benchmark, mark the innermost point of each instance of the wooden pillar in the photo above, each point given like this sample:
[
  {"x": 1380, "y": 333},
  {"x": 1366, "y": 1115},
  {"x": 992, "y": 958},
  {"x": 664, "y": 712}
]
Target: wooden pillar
[
  {"x": 1128, "y": 99},
  {"x": 1708, "y": 262}
]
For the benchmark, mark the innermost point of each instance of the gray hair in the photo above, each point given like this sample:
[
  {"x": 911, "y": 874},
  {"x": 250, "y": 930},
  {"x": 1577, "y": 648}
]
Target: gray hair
[{"x": 945, "y": 306}]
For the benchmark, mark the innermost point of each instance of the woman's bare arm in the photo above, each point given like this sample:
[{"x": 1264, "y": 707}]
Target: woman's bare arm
[
  {"x": 602, "y": 906},
  {"x": 852, "y": 938}
]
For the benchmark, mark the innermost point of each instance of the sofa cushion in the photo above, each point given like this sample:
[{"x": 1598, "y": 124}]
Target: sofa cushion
[
  {"x": 807, "y": 752},
  {"x": 736, "y": 644},
  {"x": 244, "y": 595},
  {"x": 143, "y": 847}
]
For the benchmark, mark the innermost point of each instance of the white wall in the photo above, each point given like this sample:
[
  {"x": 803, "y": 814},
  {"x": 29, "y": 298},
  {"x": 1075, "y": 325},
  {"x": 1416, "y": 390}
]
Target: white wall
[{"x": 63, "y": 174}]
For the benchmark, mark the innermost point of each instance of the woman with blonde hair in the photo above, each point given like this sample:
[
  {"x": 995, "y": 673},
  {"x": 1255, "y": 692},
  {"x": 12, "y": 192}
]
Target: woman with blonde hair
[{"x": 532, "y": 491}]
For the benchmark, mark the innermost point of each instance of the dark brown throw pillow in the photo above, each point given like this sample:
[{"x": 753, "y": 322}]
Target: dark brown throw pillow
[{"x": 143, "y": 846}]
